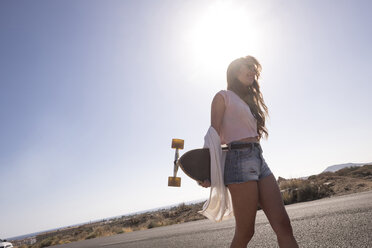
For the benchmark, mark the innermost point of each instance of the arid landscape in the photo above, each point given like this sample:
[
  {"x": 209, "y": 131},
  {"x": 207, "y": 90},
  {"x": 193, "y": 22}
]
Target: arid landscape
[{"x": 328, "y": 184}]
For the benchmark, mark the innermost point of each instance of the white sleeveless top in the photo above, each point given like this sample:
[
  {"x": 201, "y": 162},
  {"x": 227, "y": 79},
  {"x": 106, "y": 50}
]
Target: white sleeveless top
[{"x": 238, "y": 122}]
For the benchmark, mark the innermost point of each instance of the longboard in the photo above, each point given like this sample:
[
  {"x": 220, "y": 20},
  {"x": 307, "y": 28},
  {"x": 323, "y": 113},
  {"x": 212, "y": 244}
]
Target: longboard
[{"x": 196, "y": 164}]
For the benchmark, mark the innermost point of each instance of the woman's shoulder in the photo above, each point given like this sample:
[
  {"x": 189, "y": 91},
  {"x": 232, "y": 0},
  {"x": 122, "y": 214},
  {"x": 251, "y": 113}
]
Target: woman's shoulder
[{"x": 224, "y": 94}]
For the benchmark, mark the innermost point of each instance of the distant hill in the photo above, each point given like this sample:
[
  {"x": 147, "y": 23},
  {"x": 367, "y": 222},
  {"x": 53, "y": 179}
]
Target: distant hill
[{"x": 334, "y": 168}]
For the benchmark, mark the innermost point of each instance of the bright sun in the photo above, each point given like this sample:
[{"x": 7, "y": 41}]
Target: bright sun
[{"x": 225, "y": 31}]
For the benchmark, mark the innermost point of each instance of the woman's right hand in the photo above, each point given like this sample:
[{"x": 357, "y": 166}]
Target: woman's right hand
[{"x": 205, "y": 184}]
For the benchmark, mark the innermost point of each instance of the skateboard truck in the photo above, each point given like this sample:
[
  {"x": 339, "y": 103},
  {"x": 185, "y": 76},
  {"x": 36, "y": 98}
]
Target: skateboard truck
[{"x": 175, "y": 181}]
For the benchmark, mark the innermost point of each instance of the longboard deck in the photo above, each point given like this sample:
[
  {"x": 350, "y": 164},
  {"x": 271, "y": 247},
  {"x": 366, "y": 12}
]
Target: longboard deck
[{"x": 196, "y": 164}]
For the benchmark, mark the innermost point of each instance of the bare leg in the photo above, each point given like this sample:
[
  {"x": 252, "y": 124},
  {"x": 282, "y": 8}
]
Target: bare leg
[
  {"x": 244, "y": 198},
  {"x": 272, "y": 204}
]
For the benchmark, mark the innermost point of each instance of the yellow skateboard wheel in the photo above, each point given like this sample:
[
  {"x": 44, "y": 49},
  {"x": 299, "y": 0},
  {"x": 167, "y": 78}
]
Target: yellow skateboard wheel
[
  {"x": 174, "y": 181},
  {"x": 177, "y": 143}
]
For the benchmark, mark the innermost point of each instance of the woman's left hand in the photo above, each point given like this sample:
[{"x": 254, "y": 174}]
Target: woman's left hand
[{"x": 205, "y": 184}]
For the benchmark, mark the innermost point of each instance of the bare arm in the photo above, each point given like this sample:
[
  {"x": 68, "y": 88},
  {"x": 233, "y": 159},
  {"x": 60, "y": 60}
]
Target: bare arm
[{"x": 217, "y": 112}]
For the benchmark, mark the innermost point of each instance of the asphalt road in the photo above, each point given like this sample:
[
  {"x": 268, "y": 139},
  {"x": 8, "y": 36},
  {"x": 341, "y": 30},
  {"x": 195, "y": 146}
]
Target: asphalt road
[{"x": 344, "y": 221}]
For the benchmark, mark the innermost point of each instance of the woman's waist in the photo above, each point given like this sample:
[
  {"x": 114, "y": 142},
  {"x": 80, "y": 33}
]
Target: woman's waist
[
  {"x": 245, "y": 143},
  {"x": 254, "y": 139}
]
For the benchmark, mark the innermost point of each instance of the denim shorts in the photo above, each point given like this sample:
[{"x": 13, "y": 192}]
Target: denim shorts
[{"x": 245, "y": 164}]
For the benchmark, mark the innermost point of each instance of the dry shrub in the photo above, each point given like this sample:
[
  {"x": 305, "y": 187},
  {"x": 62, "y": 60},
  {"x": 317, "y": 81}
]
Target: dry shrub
[
  {"x": 153, "y": 224},
  {"x": 117, "y": 229},
  {"x": 297, "y": 190},
  {"x": 127, "y": 229},
  {"x": 291, "y": 184},
  {"x": 287, "y": 197}
]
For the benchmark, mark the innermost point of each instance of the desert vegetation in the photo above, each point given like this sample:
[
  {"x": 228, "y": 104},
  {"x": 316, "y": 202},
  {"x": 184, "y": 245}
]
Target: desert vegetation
[{"x": 345, "y": 181}]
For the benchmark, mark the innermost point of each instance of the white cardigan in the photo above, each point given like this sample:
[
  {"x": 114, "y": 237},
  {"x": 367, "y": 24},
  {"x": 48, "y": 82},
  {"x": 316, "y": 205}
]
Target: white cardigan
[{"x": 219, "y": 205}]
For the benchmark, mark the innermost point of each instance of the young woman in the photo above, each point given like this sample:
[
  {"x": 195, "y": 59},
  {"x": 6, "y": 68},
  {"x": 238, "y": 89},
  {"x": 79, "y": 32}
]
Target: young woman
[{"x": 238, "y": 115}]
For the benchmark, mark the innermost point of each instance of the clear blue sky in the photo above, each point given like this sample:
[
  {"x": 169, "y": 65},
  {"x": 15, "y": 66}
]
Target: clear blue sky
[{"x": 92, "y": 92}]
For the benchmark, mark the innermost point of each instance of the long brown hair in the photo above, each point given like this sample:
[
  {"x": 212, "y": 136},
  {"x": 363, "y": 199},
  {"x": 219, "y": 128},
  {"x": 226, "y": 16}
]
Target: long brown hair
[{"x": 250, "y": 94}]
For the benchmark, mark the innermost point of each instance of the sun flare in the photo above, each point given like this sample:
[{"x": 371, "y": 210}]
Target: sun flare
[{"x": 224, "y": 32}]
